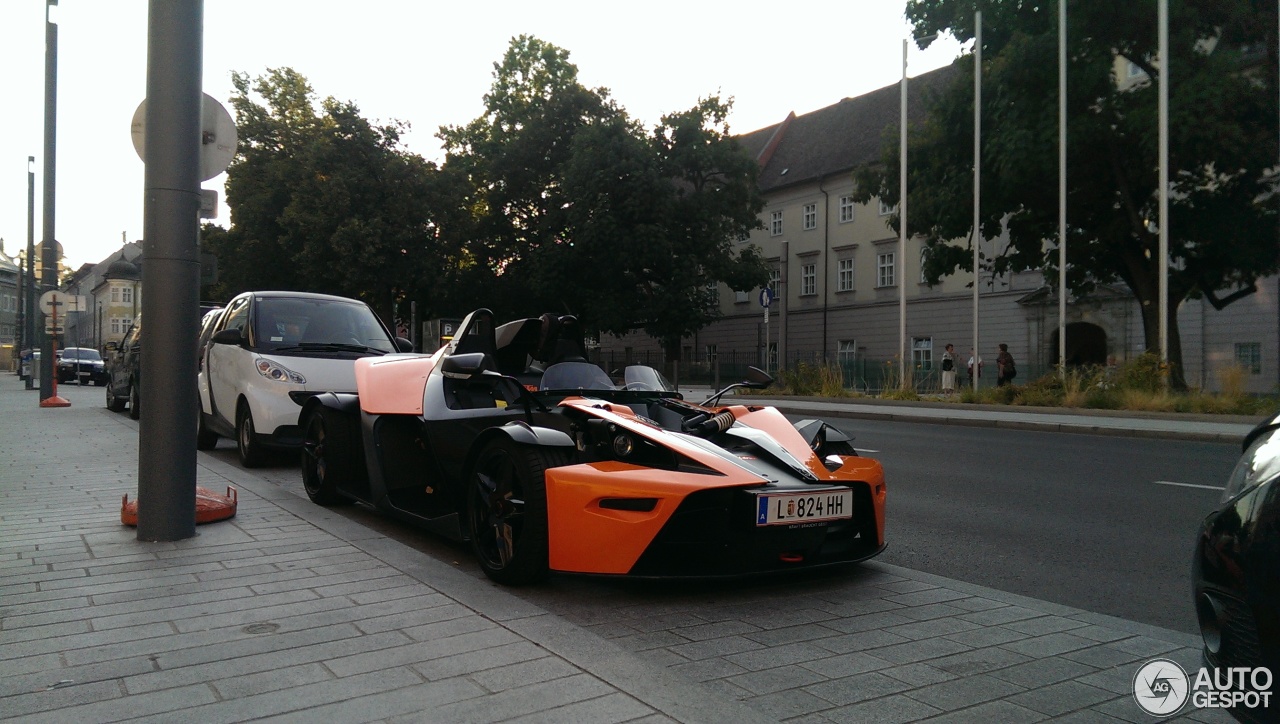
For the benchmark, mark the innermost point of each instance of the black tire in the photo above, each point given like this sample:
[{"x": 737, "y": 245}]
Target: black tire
[
  {"x": 135, "y": 404},
  {"x": 115, "y": 404},
  {"x": 507, "y": 510},
  {"x": 206, "y": 439},
  {"x": 252, "y": 454},
  {"x": 330, "y": 456}
]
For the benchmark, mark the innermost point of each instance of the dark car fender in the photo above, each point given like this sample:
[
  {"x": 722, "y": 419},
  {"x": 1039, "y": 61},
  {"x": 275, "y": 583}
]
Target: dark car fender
[
  {"x": 831, "y": 437},
  {"x": 344, "y": 402},
  {"x": 520, "y": 432}
]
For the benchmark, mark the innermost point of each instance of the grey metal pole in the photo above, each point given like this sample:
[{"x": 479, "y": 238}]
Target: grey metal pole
[
  {"x": 49, "y": 255},
  {"x": 1062, "y": 188},
  {"x": 171, "y": 275},
  {"x": 29, "y": 286},
  {"x": 1164, "y": 180},
  {"x": 901, "y": 267},
  {"x": 977, "y": 179},
  {"x": 783, "y": 307}
]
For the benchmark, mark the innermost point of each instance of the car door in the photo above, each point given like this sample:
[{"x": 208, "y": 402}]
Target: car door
[{"x": 224, "y": 360}]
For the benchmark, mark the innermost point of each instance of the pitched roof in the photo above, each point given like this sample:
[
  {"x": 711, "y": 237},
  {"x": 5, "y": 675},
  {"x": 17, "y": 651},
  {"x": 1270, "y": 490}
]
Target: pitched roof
[{"x": 838, "y": 138}]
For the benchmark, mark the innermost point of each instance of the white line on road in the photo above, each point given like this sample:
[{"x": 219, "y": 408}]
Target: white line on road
[{"x": 1188, "y": 485}]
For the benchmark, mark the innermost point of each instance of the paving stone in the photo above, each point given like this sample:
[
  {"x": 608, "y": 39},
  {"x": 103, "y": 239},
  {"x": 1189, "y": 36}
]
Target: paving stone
[
  {"x": 524, "y": 701},
  {"x": 919, "y": 674},
  {"x": 986, "y": 636},
  {"x": 1144, "y": 646},
  {"x": 1061, "y": 698},
  {"x": 1041, "y": 672},
  {"x": 1045, "y": 625},
  {"x": 992, "y": 711},
  {"x": 919, "y": 650},
  {"x": 778, "y": 656},
  {"x": 616, "y": 707},
  {"x": 932, "y": 595},
  {"x": 931, "y": 611},
  {"x": 860, "y": 641},
  {"x": 715, "y": 647},
  {"x": 1050, "y": 645},
  {"x": 846, "y": 665},
  {"x": 706, "y": 669},
  {"x": 787, "y": 704},
  {"x": 978, "y": 661},
  {"x": 524, "y": 673},
  {"x": 777, "y": 679},
  {"x": 886, "y": 710},
  {"x": 470, "y": 662},
  {"x": 960, "y": 693},
  {"x": 867, "y": 622},
  {"x": 1102, "y": 657},
  {"x": 259, "y": 682},
  {"x": 999, "y": 616},
  {"x": 931, "y": 628},
  {"x": 852, "y": 689}
]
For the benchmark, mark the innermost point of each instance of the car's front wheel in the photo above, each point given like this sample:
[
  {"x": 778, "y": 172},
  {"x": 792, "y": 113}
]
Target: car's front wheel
[
  {"x": 115, "y": 404},
  {"x": 252, "y": 454},
  {"x": 135, "y": 404},
  {"x": 329, "y": 456},
  {"x": 507, "y": 510}
]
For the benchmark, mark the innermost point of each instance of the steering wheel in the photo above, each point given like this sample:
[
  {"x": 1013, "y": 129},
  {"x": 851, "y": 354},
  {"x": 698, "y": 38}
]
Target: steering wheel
[{"x": 640, "y": 386}]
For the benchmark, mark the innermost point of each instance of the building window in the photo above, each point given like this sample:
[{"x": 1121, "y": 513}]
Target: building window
[
  {"x": 740, "y": 298},
  {"x": 846, "y": 209},
  {"x": 808, "y": 279},
  {"x": 771, "y": 361},
  {"x": 126, "y": 295},
  {"x": 847, "y": 352},
  {"x": 810, "y": 216},
  {"x": 775, "y": 279},
  {"x": 775, "y": 224},
  {"x": 844, "y": 275},
  {"x": 884, "y": 270},
  {"x": 924, "y": 256},
  {"x": 1249, "y": 356},
  {"x": 712, "y": 355},
  {"x": 922, "y": 353},
  {"x": 115, "y": 295},
  {"x": 118, "y": 325},
  {"x": 1135, "y": 71},
  {"x": 886, "y": 209}
]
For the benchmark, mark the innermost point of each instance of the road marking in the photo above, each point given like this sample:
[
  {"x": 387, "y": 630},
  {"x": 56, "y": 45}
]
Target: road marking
[
  {"x": 861, "y": 450},
  {"x": 1188, "y": 485}
]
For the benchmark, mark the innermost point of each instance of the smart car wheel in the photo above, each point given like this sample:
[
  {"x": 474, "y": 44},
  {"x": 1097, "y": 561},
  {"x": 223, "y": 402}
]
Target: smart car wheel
[
  {"x": 328, "y": 457},
  {"x": 135, "y": 406},
  {"x": 206, "y": 439},
  {"x": 251, "y": 453},
  {"x": 115, "y": 404},
  {"x": 507, "y": 510}
]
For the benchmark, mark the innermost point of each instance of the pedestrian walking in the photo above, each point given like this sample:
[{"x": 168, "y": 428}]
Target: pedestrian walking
[
  {"x": 1005, "y": 368},
  {"x": 949, "y": 369}
]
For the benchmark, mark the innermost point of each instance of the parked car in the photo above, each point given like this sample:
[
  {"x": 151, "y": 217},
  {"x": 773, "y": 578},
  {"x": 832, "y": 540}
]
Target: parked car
[
  {"x": 1236, "y": 573},
  {"x": 82, "y": 364},
  {"x": 267, "y": 352},
  {"x": 123, "y": 366},
  {"x": 511, "y": 439}
]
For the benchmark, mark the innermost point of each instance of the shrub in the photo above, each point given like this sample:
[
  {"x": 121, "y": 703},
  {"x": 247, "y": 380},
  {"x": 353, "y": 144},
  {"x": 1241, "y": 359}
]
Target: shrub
[
  {"x": 812, "y": 379},
  {"x": 1145, "y": 373}
]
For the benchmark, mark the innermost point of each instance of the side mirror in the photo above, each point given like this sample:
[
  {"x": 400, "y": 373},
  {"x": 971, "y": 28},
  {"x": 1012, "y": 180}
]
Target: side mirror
[
  {"x": 111, "y": 346},
  {"x": 404, "y": 345},
  {"x": 462, "y": 366},
  {"x": 757, "y": 379},
  {"x": 228, "y": 336}
]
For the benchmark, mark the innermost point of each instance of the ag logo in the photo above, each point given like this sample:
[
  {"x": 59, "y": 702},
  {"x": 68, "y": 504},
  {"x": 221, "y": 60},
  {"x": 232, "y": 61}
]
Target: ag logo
[{"x": 1161, "y": 687}]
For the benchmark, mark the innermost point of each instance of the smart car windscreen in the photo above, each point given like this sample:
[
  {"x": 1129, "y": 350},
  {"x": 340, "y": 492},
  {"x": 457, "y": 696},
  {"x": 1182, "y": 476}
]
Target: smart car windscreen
[{"x": 318, "y": 326}]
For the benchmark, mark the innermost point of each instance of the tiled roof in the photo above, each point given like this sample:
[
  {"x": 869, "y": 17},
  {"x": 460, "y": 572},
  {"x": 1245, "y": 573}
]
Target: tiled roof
[{"x": 840, "y": 137}]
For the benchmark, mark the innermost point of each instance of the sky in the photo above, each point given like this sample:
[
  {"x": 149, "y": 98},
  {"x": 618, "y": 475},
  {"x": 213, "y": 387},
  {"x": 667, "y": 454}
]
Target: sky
[{"x": 425, "y": 63}]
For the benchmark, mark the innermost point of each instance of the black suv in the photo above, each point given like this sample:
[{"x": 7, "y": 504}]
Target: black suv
[
  {"x": 122, "y": 370},
  {"x": 81, "y": 364}
]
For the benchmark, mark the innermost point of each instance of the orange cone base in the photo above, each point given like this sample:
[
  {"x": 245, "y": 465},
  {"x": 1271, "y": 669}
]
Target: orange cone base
[
  {"x": 210, "y": 506},
  {"x": 55, "y": 401}
]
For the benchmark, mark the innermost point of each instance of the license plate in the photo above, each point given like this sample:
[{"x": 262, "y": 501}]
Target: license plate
[{"x": 807, "y": 507}]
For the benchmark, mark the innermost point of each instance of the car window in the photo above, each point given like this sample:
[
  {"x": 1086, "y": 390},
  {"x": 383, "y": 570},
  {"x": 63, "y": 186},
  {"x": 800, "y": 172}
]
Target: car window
[
  {"x": 284, "y": 322},
  {"x": 81, "y": 353},
  {"x": 237, "y": 315}
]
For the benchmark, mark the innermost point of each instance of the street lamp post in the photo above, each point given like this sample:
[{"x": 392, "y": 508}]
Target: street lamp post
[
  {"x": 977, "y": 179},
  {"x": 900, "y": 267},
  {"x": 28, "y": 291},
  {"x": 49, "y": 261}
]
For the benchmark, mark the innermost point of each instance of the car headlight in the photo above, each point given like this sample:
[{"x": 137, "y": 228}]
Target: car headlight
[
  {"x": 277, "y": 372},
  {"x": 1258, "y": 464}
]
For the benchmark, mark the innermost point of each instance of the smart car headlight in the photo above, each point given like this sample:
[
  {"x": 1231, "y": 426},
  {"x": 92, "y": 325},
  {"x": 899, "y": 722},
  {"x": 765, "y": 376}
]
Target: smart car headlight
[
  {"x": 277, "y": 372},
  {"x": 1258, "y": 464}
]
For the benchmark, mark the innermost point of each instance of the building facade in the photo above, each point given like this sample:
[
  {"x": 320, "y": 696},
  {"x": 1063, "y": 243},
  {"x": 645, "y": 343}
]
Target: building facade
[
  {"x": 837, "y": 268},
  {"x": 113, "y": 292}
]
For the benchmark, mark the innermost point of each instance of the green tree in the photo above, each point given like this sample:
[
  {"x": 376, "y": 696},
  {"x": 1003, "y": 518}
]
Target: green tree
[
  {"x": 1223, "y": 196},
  {"x": 576, "y": 208},
  {"x": 323, "y": 200}
]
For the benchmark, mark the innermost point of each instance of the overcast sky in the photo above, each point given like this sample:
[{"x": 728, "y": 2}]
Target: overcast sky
[{"x": 426, "y": 63}]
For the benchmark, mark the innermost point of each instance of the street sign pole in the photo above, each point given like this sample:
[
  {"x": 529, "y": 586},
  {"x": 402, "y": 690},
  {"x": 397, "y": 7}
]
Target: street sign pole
[{"x": 55, "y": 300}]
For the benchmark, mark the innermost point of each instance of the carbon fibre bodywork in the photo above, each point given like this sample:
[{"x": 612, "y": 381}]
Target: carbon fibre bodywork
[{"x": 509, "y": 439}]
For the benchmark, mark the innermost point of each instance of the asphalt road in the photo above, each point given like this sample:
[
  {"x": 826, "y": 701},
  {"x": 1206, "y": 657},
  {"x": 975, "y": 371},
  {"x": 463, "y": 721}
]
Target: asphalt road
[{"x": 1079, "y": 520}]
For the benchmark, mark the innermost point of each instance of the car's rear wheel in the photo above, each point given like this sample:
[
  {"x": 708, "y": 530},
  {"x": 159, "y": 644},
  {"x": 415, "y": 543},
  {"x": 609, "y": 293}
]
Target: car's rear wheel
[
  {"x": 206, "y": 439},
  {"x": 135, "y": 405},
  {"x": 329, "y": 456},
  {"x": 507, "y": 510},
  {"x": 115, "y": 404},
  {"x": 252, "y": 454}
]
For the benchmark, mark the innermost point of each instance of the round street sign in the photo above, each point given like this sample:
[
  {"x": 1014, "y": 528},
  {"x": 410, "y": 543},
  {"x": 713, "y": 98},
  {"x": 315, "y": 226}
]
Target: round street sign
[
  {"x": 54, "y": 298},
  {"x": 217, "y": 136},
  {"x": 766, "y": 297}
]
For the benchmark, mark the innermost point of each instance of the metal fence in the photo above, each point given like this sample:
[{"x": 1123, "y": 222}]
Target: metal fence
[{"x": 858, "y": 374}]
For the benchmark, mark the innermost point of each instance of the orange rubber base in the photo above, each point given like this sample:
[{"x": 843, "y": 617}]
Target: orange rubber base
[
  {"x": 210, "y": 506},
  {"x": 55, "y": 401}
]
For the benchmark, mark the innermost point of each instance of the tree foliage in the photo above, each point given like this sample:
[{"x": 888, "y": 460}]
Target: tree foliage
[
  {"x": 577, "y": 208},
  {"x": 1223, "y": 198},
  {"x": 323, "y": 200}
]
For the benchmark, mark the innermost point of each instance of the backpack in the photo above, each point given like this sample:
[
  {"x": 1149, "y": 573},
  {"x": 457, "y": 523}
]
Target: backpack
[
  {"x": 947, "y": 364},
  {"x": 1010, "y": 371}
]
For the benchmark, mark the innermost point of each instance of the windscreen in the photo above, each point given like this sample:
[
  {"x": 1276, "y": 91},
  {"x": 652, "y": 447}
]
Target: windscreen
[
  {"x": 639, "y": 377},
  {"x": 284, "y": 323},
  {"x": 575, "y": 376},
  {"x": 81, "y": 353}
]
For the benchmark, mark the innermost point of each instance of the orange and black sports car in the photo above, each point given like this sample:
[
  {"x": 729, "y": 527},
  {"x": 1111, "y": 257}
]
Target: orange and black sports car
[{"x": 509, "y": 438}]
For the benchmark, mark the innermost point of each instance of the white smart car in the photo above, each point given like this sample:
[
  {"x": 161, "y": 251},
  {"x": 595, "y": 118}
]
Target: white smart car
[{"x": 269, "y": 351}]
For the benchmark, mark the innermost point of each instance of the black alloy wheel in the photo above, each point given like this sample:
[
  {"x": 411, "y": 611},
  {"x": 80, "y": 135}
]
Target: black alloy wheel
[
  {"x": 251, "y": 452},
  {"x": 135, "y": 405},
  {"x": 329, "y": 457},
  {"x": 115, "y": 404},
  {"x": 507, "y": 510}
]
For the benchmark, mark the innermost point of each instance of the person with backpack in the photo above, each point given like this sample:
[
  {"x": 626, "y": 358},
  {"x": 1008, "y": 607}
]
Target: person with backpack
[{"x": 1005, "y": 368}]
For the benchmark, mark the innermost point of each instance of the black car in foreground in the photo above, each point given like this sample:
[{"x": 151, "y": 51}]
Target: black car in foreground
[
  {"x": 83, "y": 364},
  {"x": 1236, "y": 573}
]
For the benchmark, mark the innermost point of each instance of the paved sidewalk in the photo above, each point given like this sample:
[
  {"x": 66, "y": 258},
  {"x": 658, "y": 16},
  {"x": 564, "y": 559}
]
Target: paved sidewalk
[{"x": 292, "y": 612}]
